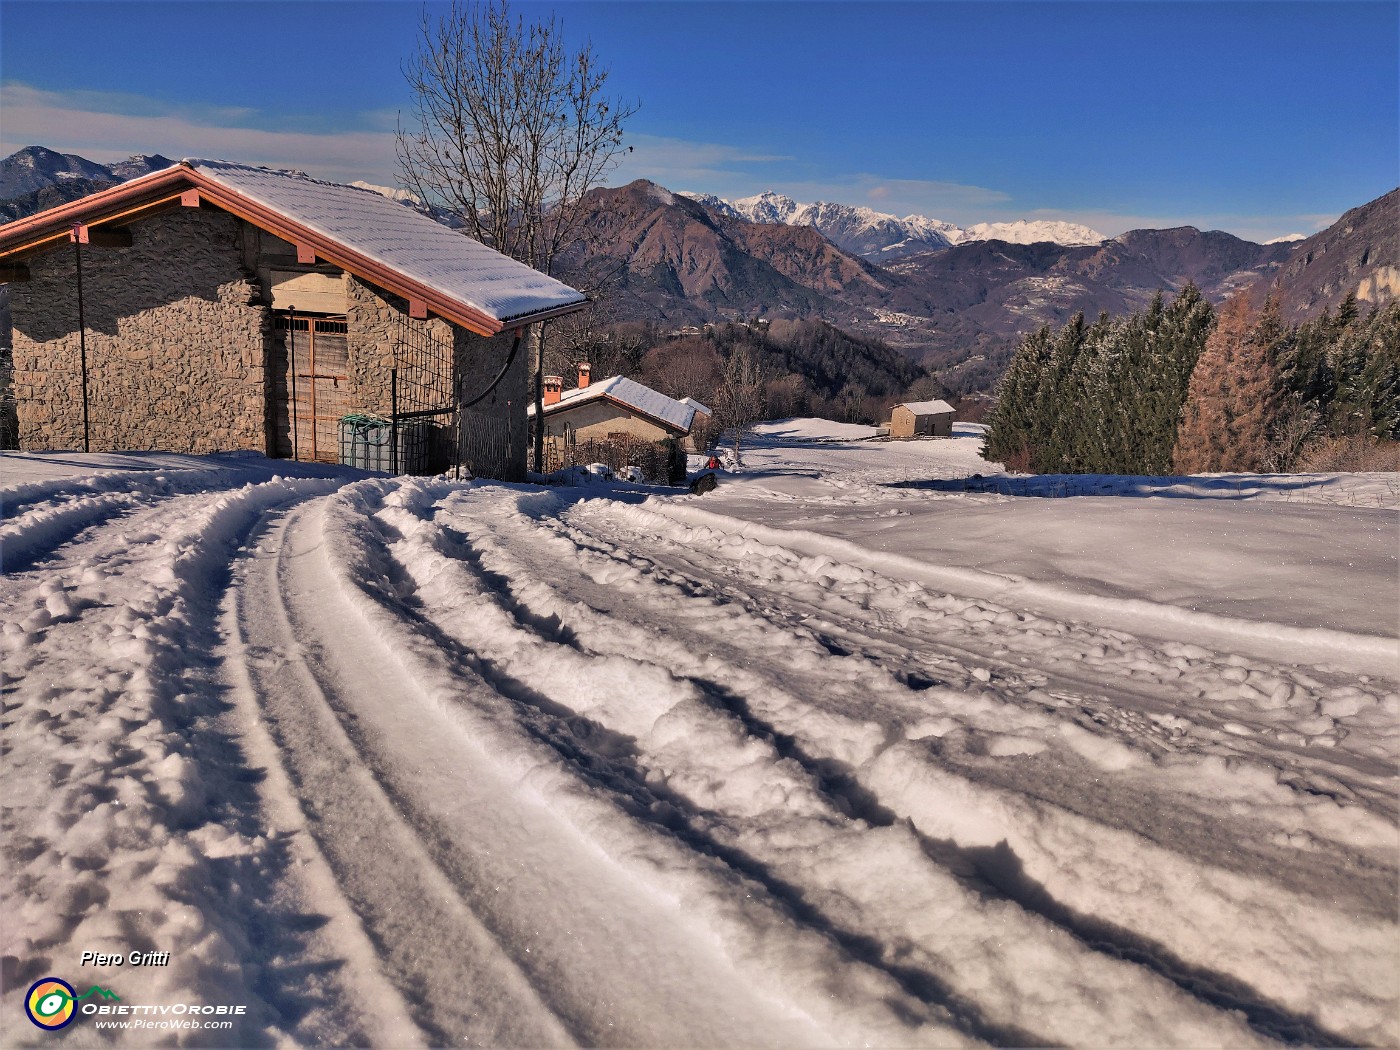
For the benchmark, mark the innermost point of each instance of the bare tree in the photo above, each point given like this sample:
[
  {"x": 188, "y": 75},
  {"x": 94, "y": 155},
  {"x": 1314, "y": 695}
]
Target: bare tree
[
  {"x": 595, "y": 337},
  {"x": 508, "y": 131},
  {"x": 739, "y": 402}
]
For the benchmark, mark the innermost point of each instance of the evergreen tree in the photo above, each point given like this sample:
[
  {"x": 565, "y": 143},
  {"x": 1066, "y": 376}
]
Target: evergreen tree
[
  {"x": 1011, "y": 425},
  {"x": 1344, "y": 369},
  {"x": 1174, "y": 347},
  {"x": 1101, "y": 398},
  {"x": 1075, "y": 442},
  {"x": 1052, "y": 443}
]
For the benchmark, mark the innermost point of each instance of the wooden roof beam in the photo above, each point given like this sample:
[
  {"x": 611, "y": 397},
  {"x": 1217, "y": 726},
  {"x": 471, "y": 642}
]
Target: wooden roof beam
[{"x": 100, "y": 237}]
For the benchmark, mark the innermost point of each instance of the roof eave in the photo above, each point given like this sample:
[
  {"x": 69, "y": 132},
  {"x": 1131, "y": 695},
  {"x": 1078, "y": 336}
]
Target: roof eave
[
  {"x": 45, "y": 229},
  {"x": 35, "y": 232}
]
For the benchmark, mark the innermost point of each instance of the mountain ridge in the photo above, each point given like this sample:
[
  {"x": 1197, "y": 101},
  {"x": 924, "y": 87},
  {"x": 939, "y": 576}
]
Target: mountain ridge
[
  {"x": 680, "y": 259},
  {"x": 882, "y": 236}
]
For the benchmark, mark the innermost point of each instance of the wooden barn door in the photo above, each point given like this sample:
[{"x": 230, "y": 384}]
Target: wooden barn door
[{"x": 311, "y": 387}]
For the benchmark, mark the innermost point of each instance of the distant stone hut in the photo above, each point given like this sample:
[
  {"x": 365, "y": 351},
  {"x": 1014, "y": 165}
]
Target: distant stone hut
[
  {"x": 921, "y": 419},
  {"x": 615, "y": 409},
  {"x": 212, "y": 306}
]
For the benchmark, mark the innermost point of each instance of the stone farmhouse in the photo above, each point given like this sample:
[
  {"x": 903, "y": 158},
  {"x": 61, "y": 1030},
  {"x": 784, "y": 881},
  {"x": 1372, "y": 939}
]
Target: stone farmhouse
[
  {"x": 212, "y": 306},
  {"x": 616, "y": 409},
  {"x": 921, "y": 419}
]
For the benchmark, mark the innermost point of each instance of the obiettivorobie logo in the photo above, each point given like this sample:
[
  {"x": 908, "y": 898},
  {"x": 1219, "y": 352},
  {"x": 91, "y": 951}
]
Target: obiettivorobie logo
[{"x": 51, "y": 1002}]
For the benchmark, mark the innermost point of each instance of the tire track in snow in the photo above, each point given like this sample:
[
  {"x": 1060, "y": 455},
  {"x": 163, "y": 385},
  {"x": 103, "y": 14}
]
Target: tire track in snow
[
  {"x": 1217, "y": 692},
  {"x": 1216, "y": 981},
  {"x": 41, "y": 517},
  {"x": 44, "y": 528},
  {"x": 453, "y": 982},
  {"x": 518, "y": 843},
  {"x": 872, "y": 907},
  {"x": 1365, "y": 873}
]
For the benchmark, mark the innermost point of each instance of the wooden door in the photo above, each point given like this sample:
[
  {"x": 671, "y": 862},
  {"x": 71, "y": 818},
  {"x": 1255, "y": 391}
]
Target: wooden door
[{"x": 311, "y": 387}]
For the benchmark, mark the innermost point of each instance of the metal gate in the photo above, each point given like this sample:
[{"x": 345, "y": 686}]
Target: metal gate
[{"x": 311, "y": 387}]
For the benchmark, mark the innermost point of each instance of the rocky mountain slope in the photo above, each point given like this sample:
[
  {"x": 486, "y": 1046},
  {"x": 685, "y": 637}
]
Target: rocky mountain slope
[
  {"x": 1357, "y": 255},
  {"x": 959, "y": 309},
  {"x": 35, "y": 179},
  {"x": 968, "y": 305},
  {"x": 661, "y": 256}
]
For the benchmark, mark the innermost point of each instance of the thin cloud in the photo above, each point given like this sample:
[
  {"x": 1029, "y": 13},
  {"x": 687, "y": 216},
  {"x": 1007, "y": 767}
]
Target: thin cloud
[
  {"x": 679, "y": 164},
  {"x": 110, "y": 126},
  {"x": 935, "y": 199},
  {"x": 94, "y": 128}
]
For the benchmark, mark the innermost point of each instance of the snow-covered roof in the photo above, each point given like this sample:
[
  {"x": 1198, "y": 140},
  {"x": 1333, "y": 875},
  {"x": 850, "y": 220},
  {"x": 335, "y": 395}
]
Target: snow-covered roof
[
  {"x": 702, "y": 409},
  {"x": 927, "y": 408},
  {"x": 438, "y": 270},
  {"x": 401, "y": 238},
  {"x": 630, "y": 394}
]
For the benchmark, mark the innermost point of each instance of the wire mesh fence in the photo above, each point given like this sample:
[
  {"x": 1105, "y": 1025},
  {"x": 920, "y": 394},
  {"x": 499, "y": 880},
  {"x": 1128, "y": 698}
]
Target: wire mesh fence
[{"x": 424, "y": 419}]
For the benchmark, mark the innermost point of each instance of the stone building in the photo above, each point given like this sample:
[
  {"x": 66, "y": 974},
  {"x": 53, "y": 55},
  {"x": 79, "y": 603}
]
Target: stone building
[
  {"x": 211, "y": 306},
  {"x": 614, "y": 409},
  {"x": 921, "y": 419}
]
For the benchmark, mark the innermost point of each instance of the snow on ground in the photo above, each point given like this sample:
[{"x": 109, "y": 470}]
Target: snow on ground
[{"x": 855, "y": 750}]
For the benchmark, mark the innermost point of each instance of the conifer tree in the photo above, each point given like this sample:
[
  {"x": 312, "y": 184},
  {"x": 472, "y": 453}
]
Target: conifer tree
[
  {"x": 1051, "y": 445},
  {"x": 1234, "y": 405},
  {"x": 1174, "y": 345},
  {"x": 1011, "y": 425}
]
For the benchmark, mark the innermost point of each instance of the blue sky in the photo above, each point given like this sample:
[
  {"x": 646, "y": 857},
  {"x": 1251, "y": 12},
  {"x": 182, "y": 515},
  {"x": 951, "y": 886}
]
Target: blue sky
[{"x": 1259, "y": 118}]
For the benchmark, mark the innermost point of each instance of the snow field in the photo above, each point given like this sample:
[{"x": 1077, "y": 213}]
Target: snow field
[
  {"x": 798, "y": 763},
  {"x": 1288, "y": 703},
  {"x": 1196, "y": 928},
  {"x": 649, "y": 887}
]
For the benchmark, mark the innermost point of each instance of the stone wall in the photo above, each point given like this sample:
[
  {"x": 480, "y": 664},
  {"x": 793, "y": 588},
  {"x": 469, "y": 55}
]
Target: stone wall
[
  {"x": 905, "y": 424},
  {"x": 182, "y": 354},
  {"x": 176, "y": 342},
  {"x": 495, "y": 432}
]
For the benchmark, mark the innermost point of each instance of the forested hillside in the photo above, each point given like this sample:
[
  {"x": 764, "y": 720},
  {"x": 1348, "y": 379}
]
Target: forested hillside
[{"x": 1180, "y": 388}]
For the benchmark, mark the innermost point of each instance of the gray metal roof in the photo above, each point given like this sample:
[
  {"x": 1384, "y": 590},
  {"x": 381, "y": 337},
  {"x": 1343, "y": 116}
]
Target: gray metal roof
[{"x": 401, "y": 239}]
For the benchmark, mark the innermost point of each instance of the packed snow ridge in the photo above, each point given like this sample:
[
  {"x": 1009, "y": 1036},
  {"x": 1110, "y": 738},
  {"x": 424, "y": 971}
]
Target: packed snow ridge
[
  {"x": 872, "y": 233},
  {"x": 875, "y": 744}
]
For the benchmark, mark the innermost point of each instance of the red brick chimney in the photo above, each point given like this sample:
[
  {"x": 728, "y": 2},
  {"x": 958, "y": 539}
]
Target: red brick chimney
[
  {"x": 553, "y": 388},
  {"x": 584, "y": 372}
]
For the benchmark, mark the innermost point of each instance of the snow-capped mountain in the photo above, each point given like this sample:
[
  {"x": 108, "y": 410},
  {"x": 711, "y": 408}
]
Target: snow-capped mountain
[
  {"x": 394, "y": 194},
  {"x": 769, "y": 207},
  {"x": 1024, "y": 231},
  {"x": 1288, "y": 238},
  {"x": 880, "y": 235},
  {"x": 715, "y": 204},
  {"x": 861, "y": 231}
]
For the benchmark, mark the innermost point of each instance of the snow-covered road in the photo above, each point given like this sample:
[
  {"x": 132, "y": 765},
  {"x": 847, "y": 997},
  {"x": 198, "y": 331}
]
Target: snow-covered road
[{"x": 840, "y": 754}]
